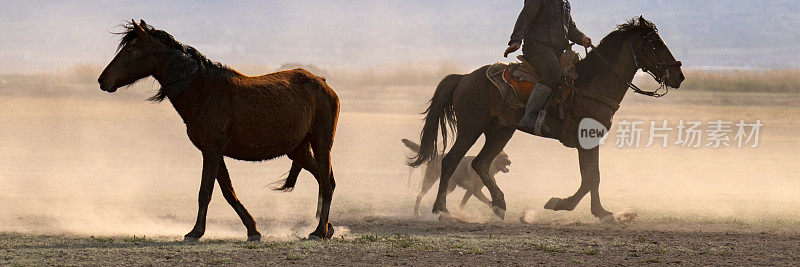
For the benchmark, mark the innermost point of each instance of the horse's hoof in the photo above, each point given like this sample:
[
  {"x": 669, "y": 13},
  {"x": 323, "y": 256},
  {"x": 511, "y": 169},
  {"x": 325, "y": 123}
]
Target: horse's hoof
[
  {"x": 190, "y": 240},
  {"x": 254, "y": 238},
  {"x": 441, "y": 212},
  {"x": 317, "y": 236},
  {"x": 440, "y": 208},
  {"x": 552, "y": 203},
  {"x": 500, "y": 212}
]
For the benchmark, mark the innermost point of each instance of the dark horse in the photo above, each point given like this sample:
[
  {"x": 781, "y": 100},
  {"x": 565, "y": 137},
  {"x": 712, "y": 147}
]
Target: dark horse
[
  {"x": 473, "y": 106},
  {"x": 229, "y": 114}
]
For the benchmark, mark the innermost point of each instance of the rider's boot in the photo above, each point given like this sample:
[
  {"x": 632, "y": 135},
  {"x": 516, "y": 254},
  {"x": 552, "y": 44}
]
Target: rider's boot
[{"x": 536, "y": 102}]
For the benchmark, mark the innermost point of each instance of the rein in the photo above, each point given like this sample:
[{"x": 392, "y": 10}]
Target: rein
[{"x": 636, "y": 89}]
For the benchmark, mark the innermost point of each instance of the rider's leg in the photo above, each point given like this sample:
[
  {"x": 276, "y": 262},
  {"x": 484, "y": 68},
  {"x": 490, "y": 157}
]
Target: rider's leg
[
  {"x": 545, "y": 60},
  {"x": 536, "y": 102}
]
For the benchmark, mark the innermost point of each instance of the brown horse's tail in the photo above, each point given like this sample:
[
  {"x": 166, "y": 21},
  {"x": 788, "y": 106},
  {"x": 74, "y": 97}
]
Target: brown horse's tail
[
  {"x": 439, "y": 114},
  {"x": 291, "y": 181}
]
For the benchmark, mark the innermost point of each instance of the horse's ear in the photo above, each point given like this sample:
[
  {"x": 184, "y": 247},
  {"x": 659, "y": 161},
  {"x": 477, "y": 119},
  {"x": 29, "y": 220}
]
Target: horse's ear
[
  {"x": 138, "y": 29},
  {"x": 143, "y": 24},
  {"x": 642, "y": 21}
]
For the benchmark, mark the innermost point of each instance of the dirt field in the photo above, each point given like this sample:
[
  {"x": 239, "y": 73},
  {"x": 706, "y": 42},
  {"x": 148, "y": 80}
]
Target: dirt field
[
  {"x": 410, "y": 241},
  {"x": 102, "y": 179}
]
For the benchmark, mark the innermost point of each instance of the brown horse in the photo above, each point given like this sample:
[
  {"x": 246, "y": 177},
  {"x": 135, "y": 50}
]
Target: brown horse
[
  {"x": 473, "y": 106},
  {"x": 229, "y": 114}
]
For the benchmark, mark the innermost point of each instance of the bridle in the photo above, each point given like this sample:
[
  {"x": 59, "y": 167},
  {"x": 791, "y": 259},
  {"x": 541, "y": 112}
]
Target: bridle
[{"x": 661, "y": 65}]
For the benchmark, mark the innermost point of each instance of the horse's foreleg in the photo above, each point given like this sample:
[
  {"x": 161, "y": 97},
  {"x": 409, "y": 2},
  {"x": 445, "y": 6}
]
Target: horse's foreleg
[
  {"x": 225, "y": 185},
  {"x": 496, "y": 140},
  {"x": 588, "y": 177},
  {"x": 450, "y": 162},
  {"x": 590, "y": 182},
  {"x": 589, "y": 160},
  {"x": 211, "y": 162}
]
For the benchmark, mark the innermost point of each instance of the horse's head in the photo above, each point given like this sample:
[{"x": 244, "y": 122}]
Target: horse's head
[
  {"x": 653, "y": 55},
  {"x": 137, "y": 57}
]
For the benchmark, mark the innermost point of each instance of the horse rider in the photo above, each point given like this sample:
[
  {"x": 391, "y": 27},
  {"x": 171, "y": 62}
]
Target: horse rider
[{"x": 546, "y": 27}]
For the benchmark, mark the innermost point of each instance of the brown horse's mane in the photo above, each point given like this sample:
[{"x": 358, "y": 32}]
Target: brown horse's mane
[
  {"x": 184, "y": 63},
  {"x": 609, "y": 47}
]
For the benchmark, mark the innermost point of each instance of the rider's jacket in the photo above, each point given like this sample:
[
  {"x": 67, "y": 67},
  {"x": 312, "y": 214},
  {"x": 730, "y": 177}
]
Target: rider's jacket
[{"x": 547, "y": 22}]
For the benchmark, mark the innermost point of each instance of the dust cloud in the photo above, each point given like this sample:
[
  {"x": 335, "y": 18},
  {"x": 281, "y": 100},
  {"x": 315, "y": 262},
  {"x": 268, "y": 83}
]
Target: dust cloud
[{"x": 91, "y": 163}]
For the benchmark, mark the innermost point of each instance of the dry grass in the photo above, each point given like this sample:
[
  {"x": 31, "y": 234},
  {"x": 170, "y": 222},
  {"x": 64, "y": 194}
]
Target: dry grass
[
  {"x": 398, "y": 74},
  {"x": 735, "y": 81},
  {"x": 82, "y": 78}
]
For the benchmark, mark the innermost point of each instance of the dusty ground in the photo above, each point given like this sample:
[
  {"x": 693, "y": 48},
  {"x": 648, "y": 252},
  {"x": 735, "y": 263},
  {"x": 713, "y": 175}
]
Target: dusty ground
[
  {"x": 403, "y": 241},
  {"x": 104, "y": 180}
]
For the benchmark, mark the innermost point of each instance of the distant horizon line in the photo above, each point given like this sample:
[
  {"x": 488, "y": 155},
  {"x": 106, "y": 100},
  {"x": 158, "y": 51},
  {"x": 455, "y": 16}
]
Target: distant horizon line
[{"x": 277, "y": 67}]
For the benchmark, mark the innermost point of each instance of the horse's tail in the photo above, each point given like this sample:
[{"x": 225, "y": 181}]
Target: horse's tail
[
  {"x": 289, "y": 182},
  {"x": 439, "y": 114}
]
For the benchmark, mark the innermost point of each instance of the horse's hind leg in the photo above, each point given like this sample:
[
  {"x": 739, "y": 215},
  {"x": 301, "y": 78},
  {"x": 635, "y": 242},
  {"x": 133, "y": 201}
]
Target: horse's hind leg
[
  {"x": 321, "y": 143},
  {"x": 302, "y": 157},
  {"x": 225, "y": 185},
  {"x": 466, "y": 138},
  {"x": 496, "y": 139},
  {"x": 324, "y": 173}
]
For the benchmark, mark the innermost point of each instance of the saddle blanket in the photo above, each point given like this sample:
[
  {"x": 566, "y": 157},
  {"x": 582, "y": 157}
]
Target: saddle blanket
[{"x": 514, "y": 82}]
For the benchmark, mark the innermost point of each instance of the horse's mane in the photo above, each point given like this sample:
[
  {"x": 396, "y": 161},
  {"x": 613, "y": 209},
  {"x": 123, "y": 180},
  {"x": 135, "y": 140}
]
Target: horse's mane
[
  {"x": 181, "y": 68},
  {"x": 608, "y": 48}
]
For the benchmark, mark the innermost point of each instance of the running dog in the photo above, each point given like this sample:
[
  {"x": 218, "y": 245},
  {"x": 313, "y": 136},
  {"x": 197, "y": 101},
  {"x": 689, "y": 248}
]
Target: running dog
[{"x": 464, "y": 176}]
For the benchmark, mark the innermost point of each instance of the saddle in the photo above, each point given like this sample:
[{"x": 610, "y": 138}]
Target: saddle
[
  {"x": 516, "y": 81},
  {"x": 524, "y": 77},
  {"x": 520, "y": 77}
]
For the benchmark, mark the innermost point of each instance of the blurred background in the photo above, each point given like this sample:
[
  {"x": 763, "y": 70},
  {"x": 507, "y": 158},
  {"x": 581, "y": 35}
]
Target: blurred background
[
  {"x": 77, "y": 160},
  {"x": 48, "y": 36}
]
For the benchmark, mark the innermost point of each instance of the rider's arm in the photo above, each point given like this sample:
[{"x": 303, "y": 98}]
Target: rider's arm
[
  {"x": 529, "y": 12},
  {"x": 574, "y": 35}
]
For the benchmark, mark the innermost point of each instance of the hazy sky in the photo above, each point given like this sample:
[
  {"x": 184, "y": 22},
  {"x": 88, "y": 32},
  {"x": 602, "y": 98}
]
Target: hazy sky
[{"x": 53, "y": 35}]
